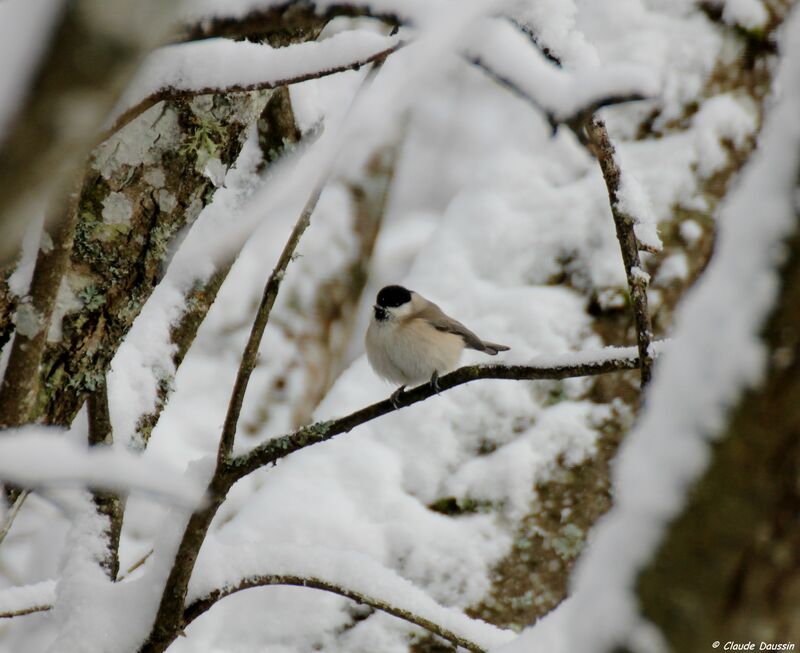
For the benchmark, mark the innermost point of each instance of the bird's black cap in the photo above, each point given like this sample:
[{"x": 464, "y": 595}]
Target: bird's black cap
[{"x": 392, "y": 296}]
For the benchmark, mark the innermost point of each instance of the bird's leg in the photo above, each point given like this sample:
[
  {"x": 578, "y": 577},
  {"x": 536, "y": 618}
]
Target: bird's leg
[
  {"x": 435, "y": 381},
  {"x": 395, "y": 398}
]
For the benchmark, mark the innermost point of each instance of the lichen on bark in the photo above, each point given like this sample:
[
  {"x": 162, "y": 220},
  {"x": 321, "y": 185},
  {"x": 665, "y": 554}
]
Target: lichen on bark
[{"x": 142, "y": 187}]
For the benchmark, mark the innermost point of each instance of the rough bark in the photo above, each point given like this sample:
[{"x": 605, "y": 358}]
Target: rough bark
[
  {"x": 143, "y": 185},
  {"x": 277, "y": 134},
  {"x": 729, "y": 567},
  {"x": 535, "y": 561}
]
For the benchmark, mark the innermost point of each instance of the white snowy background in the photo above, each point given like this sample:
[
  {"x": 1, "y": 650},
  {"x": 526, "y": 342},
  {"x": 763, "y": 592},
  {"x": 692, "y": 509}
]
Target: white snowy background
[{"x": 485, "y": 204}]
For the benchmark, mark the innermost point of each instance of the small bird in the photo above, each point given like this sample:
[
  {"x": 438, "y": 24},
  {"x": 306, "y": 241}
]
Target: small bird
[{"x": 411, "y": 340}]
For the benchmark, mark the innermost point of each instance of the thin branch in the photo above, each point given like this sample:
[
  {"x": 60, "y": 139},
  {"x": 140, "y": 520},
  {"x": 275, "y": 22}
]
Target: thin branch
[
  {"x": 603, "y": 149},
  {"x": 273, "y": 450},
  {"x": 250, "y": 355},
  {"x": 21, "y": 613},
  {"x": 173, "y": 94},
  {"x": 12, "y": 513},
  {"x": 200, "y": 606}
]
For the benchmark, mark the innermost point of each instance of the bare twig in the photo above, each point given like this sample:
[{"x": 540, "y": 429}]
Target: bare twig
[
  {"x": 174, "y": 94},
  {"x": 12, "y": 513},
  {"x": 21, "y": 613},
  {"x": 273, "y": 450},
  {"x": 199, "y": 606},
  {"x": 603, "y": 149},
  {"x": 135, "y": 565}
]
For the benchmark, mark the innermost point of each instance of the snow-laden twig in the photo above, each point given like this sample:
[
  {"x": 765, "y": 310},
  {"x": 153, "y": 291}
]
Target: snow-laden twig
[
  {"x": 36, "y": 456},
  {"x": 611, "y": 359},
  {"x": 27, "y": 599},
  {"x": 719, "y": 355},
  {"x": 199, "y": 606},
  {"x": 295, "y": 68},
  {"x": 226, "y": 568},
  {"x": 508, "y": 57}
]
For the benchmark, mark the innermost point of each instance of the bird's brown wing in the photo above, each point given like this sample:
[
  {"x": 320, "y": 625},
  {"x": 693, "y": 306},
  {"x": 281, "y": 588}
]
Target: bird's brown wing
[{"x": 440, "y": 321}]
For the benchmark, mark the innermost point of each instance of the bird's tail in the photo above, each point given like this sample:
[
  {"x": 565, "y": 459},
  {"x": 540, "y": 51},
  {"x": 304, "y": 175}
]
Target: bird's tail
[{"x": 492, "y": 348}]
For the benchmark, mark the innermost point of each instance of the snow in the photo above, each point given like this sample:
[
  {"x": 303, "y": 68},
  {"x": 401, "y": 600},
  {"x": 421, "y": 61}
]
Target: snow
[
  {"x": 751, "y": 14},
  {"x": 692, "y": 389},
  {"x": 40, "y": 457},
  {"x": 633, "y": 200},
  {"x": 561, "y": 93},
  {"x": 487, "y": 212},
  {"x": 673, "y": 268},
  {"x": 24, "y": 597},
  {"x": 690, "y": 231},
  {"x": 225, "y": 565},
  {"x": 207, "y": 65},
  {"x": 723, "y": 118}
]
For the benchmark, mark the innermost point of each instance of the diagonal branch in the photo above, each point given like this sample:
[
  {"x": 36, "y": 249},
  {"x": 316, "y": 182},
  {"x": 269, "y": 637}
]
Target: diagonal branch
[
  {"x": 201, "y": 605},
  {"x": 575, "y": 366},
  {"x": 250, "y": 354},
  {"x": 174, "y": 94}
]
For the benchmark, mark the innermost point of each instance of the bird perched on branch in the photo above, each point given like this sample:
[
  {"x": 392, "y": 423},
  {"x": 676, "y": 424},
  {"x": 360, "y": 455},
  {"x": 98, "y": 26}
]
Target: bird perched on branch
[{"x": 411, "y": 340}]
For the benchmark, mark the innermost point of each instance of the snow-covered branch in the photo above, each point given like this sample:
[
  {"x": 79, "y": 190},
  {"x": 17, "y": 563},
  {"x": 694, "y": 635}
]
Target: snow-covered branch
[
  {"x": 200, "y": 606},
  {"x": 32, "y": 457},
  {"x": 27, "y": 599},
  {"x": 224, "y": 569},
  {"x": 202, "y": 68},
  {"x": 507, "y": 55}
]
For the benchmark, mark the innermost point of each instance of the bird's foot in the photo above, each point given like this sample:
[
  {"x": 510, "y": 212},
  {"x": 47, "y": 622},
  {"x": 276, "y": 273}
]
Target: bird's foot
[
  {"x": 435, "y": 381},
  {"x": 396, "y": 395}
]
